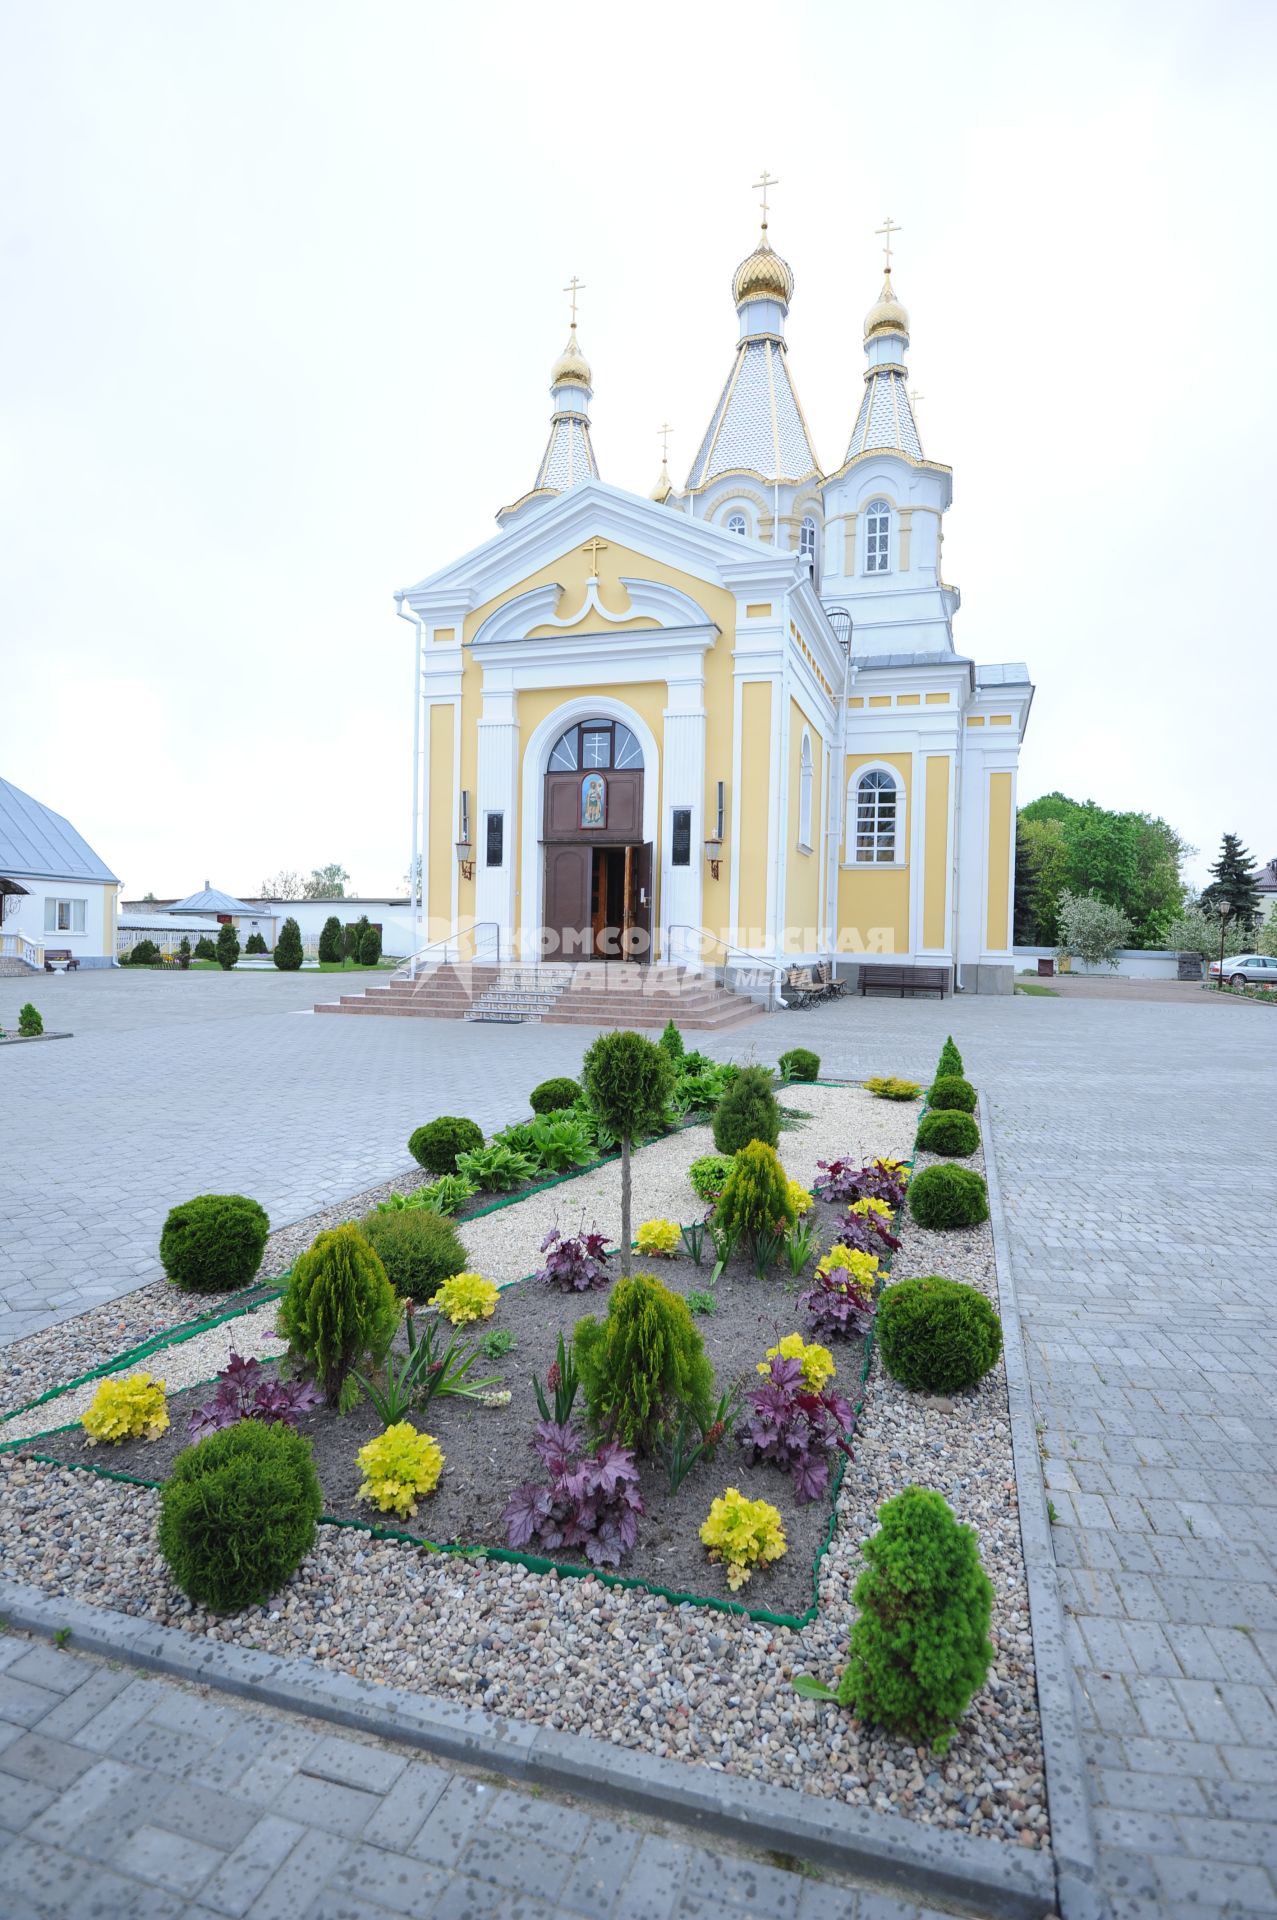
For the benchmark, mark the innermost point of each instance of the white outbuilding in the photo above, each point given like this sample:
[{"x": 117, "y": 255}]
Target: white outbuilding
[{"x": 57, "y": 896}]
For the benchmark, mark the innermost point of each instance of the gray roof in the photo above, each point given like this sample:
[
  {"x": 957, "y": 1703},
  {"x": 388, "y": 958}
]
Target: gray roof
[
  {"x": 866, "y": 662},
  {"x": 1012, "y": 673},
  {"x": 211, "y": 901},
  {"x": 37, "y": 843}
]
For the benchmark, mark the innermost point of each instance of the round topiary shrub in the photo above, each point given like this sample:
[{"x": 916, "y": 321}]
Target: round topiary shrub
[
  {"x": 338, "y": 1313},
  {"x": 214, "y": 1243},
  {"x": 948, "y": 1197},
  {"x": 800, "y": 1063},
  {"x": 948, "y": 1131},
  {"x": 937, "y": 1335},
  {"x": 747, "y": 1111},
  {"x": 951, "y": 1094},
  {"x": 238, "y": 1515},
  {"x": 144, "y": 953},
  {"x": 436, "y": 1145},
  {"x": 418, "y": 1249},
  {"x": 554, "y": 1096}
]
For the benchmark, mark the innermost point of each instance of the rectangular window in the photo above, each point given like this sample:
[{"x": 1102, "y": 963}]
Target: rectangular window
[
  {"x": 64, "y": 916},
  {"x": 494, "y": 853},
  {"x": 681, "y": 838}
]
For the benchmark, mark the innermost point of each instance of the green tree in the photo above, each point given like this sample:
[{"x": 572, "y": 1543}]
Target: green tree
[
  {"x": 628, "y": 1081},
  {"x": 227, "y": 947},
  {"x": 288, "y": 948},
  {"x": 1091, "y": 929},
  {"x": 284, "y": 885},
  {"x": 1235, "y": 878},
  {"x": 370, "y": 947},
  {"x": 1130, "y": 861},
  {"x": 327, "y": 883},
  {"x": 330, "y": 948},
  {"x": 1040, "y": 846}
]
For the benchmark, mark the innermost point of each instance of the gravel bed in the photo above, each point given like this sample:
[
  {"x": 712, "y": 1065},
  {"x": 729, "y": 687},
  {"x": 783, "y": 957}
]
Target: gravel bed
[{"x": 627, "y": 1666}]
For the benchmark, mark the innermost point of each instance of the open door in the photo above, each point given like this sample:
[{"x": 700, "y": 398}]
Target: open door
[{"x": 638, "y": 902}]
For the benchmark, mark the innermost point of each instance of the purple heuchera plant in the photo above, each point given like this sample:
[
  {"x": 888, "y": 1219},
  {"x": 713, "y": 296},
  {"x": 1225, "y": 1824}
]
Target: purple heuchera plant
[
  {"x": 840, "y": 1311},
  {"x": 576, "y": 1264},
  {"x": 866, "y": 1233},
  {"x": 845, "y": 1182},
  {"x": 591, "y": 1500},
  {"x": 796, "y": 1429},
  {"x": 247, "y": 1392}
]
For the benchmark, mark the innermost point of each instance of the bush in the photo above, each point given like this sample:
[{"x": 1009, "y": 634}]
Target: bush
[
  {"x": 643, "y": 1367},
  {"x": 339, "y": 1311},
  {"x": 29, "y": 1022},
  {"x": 948, "y": 1131},
  {"x": 238, "y": 1515},
  {"x": 255, "y": 943},
  {"x": 204, "y": 948},
  {"x": 130, "y": 1409},
  {"x": 184, "y": 953},
  {"x": 465, "y": 1297},
  {"x": 743, "y": 1534},
  {"x": 497, "y": 1168},
  {"x": 370, "y": 947},
  {"x": 554, "y": 1096},
  {"x": 226, "y": 952},
  {"x": 747, "y": 1111},
  {"x": 560, "y": 1141},
  {"x": 397, "y": 1466},
  {"x": 436, "y": 1145},
  {"x": 288, "y": 948},
  {"x": 936, "y": 1335},
  {"x": 145, "y": 953},
  {"x": 919, "y": 1650},
  {"x": 330, "y": 943},
  {"x": 756, "y": 1200},
  {"x": 800, "y": 1063},
  {"x": 1090, "y": 929},
  {"x": 658, "y": 1237},
  {"x": 883, "y": 1088},
  {"x": 951, "y": 1094},
  {"x": 671, "y": 1041},
  {"x": 418, "y": 1249},
  {"x": 214, "y": 1243},
  {"x": 708, "y": 1175},
  {"x": 948, "y": 1197},
  {"x": 950, "y": 1061}
]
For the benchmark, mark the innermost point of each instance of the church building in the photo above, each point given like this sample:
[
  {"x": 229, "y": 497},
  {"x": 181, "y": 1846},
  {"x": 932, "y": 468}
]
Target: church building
[{"x": 726, "y": 720}]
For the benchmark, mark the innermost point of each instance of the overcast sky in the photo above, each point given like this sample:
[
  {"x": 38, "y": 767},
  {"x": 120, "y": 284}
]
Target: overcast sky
[{"x": 282, "y": 291}]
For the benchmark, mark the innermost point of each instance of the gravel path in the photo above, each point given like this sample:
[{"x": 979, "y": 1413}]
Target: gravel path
[{"x": 627, "y": 1666}]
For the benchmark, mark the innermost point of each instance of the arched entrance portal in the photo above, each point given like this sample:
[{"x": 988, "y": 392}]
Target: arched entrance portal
[{"x": 598, "y": 867}]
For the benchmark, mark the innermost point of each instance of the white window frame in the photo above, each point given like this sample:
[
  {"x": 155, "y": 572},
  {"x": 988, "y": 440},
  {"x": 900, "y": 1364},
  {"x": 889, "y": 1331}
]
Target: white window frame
[
  {"x": 53, "y": 905},
  {"x": 877, "y": 559},
  {"x": 742, "y": 531},
  {"x": 806, "y": 783},
  {"x": 854, "y": 858}
]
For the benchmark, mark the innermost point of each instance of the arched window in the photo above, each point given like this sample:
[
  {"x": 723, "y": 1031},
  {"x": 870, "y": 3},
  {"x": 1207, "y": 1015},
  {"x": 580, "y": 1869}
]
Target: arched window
[
  {"x": 805, "y": 781},
  {"x": 877, "y": 817},
  {"x": 595, "y": 743},
  {"x": 737, "y": 523},
  {"x": 807, "y": 539},
  {"x": 877, "y": 536}
]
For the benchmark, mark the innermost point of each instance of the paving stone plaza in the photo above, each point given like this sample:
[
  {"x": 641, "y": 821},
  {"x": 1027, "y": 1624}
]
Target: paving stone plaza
[{"x": 1133, "y": 1142}]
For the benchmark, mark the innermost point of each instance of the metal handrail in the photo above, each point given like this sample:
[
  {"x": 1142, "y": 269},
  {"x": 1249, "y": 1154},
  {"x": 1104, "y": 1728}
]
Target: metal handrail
[
  {"x": 756, "y": 959},
  {"x": 407, "y": 970}
]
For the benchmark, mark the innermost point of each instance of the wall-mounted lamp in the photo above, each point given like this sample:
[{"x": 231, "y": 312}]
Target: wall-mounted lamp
[
  {"x": 465, "y": 845},
  {"x": 714, "y": 841}
]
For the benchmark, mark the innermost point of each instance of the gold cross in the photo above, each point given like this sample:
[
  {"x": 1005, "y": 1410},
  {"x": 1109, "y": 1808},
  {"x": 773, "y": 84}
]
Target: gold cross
[
  {"x": 764, "y": 183},
  {"x": 889, "y": 228},
  {"x": 573, "y": 287},
  {"x": 665, "y": 430},
  {"x": 594, "y": 548}
]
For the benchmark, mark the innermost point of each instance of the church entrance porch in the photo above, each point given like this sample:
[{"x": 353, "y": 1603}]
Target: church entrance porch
[{"x": 598, "y": 902}]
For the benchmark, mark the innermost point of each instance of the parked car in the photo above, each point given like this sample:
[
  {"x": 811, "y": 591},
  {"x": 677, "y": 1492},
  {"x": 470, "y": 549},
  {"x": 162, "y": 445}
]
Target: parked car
[{"x": 1247, "y": 969}]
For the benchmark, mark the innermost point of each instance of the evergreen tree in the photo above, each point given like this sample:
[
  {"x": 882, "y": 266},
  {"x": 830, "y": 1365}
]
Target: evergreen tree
[
  {"x": 227, "y": 947},
  {"x": 288, "y": 948},
  {"x": 1026, "y": 890},
  {"x": 330, "y": 947},
  {"x": 370, "y": 948},
  {"x": 1235, "y": 878}
]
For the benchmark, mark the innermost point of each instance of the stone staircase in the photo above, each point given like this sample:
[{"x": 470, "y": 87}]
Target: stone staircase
[
  {"x": 13, "y": 969},
  {"x": 593, "y": 994}
]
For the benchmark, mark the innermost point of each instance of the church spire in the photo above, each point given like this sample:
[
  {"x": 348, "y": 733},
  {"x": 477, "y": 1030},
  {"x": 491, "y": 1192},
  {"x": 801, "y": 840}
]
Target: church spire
[{"x": 885, "y": 421}]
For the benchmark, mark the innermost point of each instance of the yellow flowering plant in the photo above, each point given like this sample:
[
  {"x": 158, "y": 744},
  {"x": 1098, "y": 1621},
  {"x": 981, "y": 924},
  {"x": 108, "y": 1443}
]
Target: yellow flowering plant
[
  {"x": 849, "y": 1265},
  {"x": 466, "y": 1297},
  {"x": 129, "y": 1409},
  {"x": 398, "y": 1466},
  {"x": 743, "y": 1534},
  {"x": 817, "y": 1362},
  {"x": 658, "y": 1237}
]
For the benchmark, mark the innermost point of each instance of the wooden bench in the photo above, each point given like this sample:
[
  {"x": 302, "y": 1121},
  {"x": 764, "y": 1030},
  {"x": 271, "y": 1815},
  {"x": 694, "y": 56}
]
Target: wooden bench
[
  {"x": 906, "y": 979},
  {"x": 60, "y": 956},
  {"x": 804, "y": 986}
]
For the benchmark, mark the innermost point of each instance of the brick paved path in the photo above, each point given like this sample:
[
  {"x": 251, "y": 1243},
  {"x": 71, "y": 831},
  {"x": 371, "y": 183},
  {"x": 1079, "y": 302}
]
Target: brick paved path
[{"x": 125, "y": 1797}]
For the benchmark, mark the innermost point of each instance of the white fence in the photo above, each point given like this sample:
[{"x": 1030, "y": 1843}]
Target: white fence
[{"x": 1133, "y": 963}]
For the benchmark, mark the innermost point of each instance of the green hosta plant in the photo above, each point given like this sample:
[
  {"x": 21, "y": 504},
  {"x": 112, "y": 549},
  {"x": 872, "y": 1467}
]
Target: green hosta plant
[
  {"x": 496, "y": 1169},
  {"x": 560, "y": 1142},
  {"x": 442, "y": 1196}
]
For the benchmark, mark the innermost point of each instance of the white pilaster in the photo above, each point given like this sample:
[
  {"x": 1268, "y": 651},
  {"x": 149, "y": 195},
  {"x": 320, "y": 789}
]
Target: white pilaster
[{"x": 683, "y": 785}]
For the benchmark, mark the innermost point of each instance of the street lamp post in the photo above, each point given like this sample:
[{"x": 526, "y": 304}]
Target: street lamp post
[{"x": 1224, "y": 908}]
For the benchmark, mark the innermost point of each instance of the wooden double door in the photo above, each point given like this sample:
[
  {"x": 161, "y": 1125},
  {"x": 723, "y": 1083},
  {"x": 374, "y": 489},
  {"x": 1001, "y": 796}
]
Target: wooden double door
[{"x": 598, "y": 900}]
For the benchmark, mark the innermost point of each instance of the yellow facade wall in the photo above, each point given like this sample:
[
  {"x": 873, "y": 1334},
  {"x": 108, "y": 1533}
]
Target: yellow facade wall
[
  {"x": 802, "y": 888},
  {"x": 441, "y": 826},
  {"x": 873, "y": 902},
  {"x": 935, "y": 829},
  {"x": 998, "y": 928},
  {"x": 751, "y": 810}
]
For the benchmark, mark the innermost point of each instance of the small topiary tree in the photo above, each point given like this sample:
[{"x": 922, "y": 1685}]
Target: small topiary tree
[
  {"x": 238, "y": 1514},
  {"x": 800, "y": 1063},
  {"x": 436, "y": 1145},
  {"x": 204, "y": 948},
  {"x": 214, "y": 1243},
  {"x": 338, "y": 1312},
  {"x": 370, "y": 947},
  {"x": 950, "y": 1061},
  {"x": 672, "y": 1041},
  {"x": 937, "y": 1335},
  {"x": 628, "y": 1080},
  {"x": 644, "y": 1366},
  {"x": 255, "y": 944},
  {"x": 227, "y": 951},
  {"x": 351, "y": 935},
  {"x": 288, "y": 948},
  {"x": 950, "y": 1093},
  {"x": 184, "y": 953},
  {"x": 30, "y": 1025},
  {"x": 554, "y": 1096},
  {"x": 330, "y": 943},
  {"x": 418, "y": 1249},
  {"x": 948, "y": 1197},
  {"x": 144, "y": 953},
  {"x": 919, "y": 1650},
  {"x": 756, "y": 1201},
  {"x": 747, "y": 1111},
  {"x": 948, "y": 1131}
]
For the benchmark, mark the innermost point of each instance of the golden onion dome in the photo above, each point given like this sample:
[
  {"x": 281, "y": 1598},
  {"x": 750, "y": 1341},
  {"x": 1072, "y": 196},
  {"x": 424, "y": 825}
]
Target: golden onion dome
[
  {"x": 571, "y": 365},
  {"x": 886, "y": 315},
  {"x": 763, "y": 275},
  {"x": 664, "y": 486}
]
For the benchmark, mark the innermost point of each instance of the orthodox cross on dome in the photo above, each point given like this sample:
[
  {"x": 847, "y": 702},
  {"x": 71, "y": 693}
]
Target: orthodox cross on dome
[
  {"x": 665, "y": 430},
  {"x": 915, "y": 397},
  {"x": 594, "y": 548},
  {"x": 766, "y": 182},
  {"x": 573, "y": 287},
  {"x": 888, "y": 228}
]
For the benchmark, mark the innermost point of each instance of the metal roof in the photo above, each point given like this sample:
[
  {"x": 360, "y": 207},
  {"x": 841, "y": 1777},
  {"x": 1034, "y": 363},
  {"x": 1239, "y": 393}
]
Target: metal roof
[
  {"x": 866, "y": 662},
  {"x": 211, "y": 901},
  {"x": 1012, "y": 673},
  {"x": 37, "y": 843}
]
